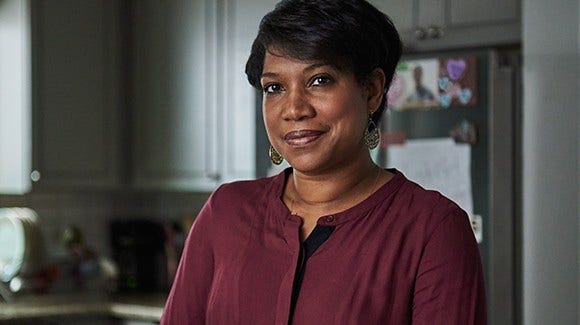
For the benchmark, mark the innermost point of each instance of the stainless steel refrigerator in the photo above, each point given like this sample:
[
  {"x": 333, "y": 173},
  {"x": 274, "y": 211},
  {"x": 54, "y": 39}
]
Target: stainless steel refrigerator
[
  {"x": 459, "y": 111},
  {"x": 475, "y": 105}
]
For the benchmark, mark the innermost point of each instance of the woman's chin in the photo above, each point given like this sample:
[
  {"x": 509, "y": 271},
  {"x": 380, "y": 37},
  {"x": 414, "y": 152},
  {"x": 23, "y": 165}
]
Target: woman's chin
[{"x": 309, "y": 164}]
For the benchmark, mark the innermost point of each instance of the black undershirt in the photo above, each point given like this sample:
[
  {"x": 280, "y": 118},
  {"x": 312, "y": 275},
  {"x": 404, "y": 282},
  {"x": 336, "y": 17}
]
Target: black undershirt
[{"x": 318, "y": 236}]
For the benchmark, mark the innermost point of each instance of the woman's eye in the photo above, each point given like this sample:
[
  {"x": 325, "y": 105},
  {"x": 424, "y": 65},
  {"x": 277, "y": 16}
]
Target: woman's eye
[
  {"x": 320, "y": 80},
  {"x": 272, "y": 88}
]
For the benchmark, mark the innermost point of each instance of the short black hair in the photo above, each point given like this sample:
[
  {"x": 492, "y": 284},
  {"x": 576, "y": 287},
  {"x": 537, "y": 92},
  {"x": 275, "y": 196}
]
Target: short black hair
[{"x": 350, "y": 35}]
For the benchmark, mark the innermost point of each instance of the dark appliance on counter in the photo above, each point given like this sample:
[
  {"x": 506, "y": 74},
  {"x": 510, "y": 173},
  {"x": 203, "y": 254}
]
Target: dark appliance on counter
[{"x": 139, "y": 251}]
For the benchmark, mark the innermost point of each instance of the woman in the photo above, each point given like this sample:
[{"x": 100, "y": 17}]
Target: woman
[{"x": 335, "y": 239}]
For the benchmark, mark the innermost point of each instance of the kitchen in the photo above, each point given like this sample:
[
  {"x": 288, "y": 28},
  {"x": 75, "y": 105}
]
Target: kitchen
[{"x": 113, "y": 144}]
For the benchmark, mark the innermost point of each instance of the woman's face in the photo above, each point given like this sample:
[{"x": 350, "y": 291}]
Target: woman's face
[{"x": 315, "y": 115}]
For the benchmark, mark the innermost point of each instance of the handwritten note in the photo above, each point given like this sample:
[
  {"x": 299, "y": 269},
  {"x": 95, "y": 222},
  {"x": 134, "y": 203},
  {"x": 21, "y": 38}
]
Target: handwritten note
[{"x": 439, "y": 164}]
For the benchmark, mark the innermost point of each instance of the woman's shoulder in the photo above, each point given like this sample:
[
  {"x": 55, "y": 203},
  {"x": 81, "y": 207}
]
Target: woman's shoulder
[
  {"x": 425, "y": 198},
  {"x": 245, "y": 187},
  {"x": 426, "y": 206},
  {"x": 248, "y": 190},
  {"x": 238, "y": 198}
]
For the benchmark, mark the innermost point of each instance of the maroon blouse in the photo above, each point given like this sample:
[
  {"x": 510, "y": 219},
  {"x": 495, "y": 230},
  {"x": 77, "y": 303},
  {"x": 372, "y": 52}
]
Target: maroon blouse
[{"x": 402, "y": 256}]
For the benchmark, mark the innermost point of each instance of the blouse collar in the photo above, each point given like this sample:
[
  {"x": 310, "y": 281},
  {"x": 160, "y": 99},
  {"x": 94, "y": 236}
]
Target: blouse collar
[{"x": 359, "y": 210}]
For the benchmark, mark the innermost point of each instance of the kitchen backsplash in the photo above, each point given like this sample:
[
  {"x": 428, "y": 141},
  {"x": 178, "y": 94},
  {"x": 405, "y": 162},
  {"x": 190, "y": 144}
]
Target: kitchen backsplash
[{"x": 92, "y": 211}]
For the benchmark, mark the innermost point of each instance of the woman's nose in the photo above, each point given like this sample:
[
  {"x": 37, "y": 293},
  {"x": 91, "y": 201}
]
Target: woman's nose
[{"x": 297, "y": 107}]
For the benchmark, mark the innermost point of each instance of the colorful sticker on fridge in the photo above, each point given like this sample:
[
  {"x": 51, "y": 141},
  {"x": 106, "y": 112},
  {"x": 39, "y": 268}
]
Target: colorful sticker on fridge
[
  {"x": 458, "y": 81},
  {"x": 434, "y": 83}
]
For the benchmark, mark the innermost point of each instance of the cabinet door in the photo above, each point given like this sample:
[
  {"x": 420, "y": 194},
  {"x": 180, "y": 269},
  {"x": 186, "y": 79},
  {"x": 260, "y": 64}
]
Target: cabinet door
[
  {"x": 15, "y": 139},
  {"x": 446, "y": 24},
  {"x": 175, "y": 94},
  {"x": 480, "y": 23},
  {"x": 469, "y": 12},
  {"x": 401, "y": 12},
  {"x": 430, "y": 13},
  {"x": 75, "y": 92},
  {"x": 193, "y": 108},
  {"x": 238, "y": 110}
]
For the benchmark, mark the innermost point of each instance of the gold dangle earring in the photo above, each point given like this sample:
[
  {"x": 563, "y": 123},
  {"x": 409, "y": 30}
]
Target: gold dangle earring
[
  {"x": 275, "y": 156},
  {"x": 372, "y": 137}
]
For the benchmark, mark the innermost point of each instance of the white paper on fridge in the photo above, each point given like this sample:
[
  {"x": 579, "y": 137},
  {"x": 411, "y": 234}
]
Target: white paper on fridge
[{"x": 438, "y": 163}]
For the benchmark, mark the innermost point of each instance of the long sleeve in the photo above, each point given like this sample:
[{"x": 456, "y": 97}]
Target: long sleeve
[
  {"x": 189, "y": 294},
  {"x": 449, "y": 287}
]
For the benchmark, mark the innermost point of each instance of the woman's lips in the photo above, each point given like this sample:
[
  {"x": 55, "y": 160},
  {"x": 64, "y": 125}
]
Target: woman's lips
[{"x": 302, "y": 137}]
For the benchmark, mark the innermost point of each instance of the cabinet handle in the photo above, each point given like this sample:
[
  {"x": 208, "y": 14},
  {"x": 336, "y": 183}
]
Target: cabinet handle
[
  {"x": 420, "y": 33},
  {"x": 35, "y": 176},
  {"x": 434, "y": 32}
]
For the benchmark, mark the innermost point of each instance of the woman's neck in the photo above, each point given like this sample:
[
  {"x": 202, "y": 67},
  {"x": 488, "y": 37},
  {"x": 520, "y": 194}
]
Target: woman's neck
[{"x": 333, "y": 191}]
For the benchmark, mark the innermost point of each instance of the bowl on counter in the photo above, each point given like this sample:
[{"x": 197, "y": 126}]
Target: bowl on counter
[{"x": 22, "y": 253}]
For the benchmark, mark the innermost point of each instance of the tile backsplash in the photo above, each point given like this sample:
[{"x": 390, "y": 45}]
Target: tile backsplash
[{"x": 92, "y": 211}]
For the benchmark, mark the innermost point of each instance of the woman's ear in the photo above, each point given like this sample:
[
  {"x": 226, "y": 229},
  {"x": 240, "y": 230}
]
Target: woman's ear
[{"x": 375, "y": 89}]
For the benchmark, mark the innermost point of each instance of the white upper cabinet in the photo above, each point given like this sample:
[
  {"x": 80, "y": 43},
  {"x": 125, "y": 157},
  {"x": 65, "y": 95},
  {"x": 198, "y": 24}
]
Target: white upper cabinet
[
  {"x": 192, "y": 108},
  {"x": 163, "y": 79},
  {"x": 448, "y": 24},
  {"x": 241, "y": 20},
  {"x": 76, "y": 101},
  {"x": 173, "y": 101},
  {"x": 15, "y": 125},
  {"x": 59, "y": 94}
]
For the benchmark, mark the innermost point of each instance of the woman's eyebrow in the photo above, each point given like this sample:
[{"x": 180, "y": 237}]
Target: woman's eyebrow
[
  {"x": 269, "y": 74},
  {"x": 315, "y": 66},
  {"x": 309, "y": 68}
]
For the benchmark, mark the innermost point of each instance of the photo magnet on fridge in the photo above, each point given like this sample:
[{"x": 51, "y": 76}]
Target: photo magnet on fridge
[{"x": 435, "y": 83}]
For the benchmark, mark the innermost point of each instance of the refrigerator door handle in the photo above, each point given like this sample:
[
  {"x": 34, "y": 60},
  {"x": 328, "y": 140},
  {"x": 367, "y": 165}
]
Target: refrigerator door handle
[{"x": 501, "y": 235}]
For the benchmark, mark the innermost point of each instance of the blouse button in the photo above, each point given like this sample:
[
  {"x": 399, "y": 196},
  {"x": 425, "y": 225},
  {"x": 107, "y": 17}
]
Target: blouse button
[{"x": 330, "y": 219}]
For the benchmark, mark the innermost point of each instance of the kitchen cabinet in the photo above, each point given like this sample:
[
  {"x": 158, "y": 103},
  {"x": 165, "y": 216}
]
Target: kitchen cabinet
[
  {"x": 193, "y": 110},
  {"x": 447, "y": 24},
  {"x": 60, "y": 72},
  {"x": 76, "y": 105},
  {"x": 15, "y": 126}
]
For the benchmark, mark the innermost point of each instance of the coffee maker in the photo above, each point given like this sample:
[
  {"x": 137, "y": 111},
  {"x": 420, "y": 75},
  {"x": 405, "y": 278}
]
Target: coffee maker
[{"x": 139, "y": 249}]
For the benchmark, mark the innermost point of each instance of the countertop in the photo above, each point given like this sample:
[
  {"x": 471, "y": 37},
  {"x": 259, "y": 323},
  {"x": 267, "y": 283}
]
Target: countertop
[{"x": 144, "y": 307}]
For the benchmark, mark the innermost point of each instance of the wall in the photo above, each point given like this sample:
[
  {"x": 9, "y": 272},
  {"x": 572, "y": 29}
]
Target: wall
[
  {"x": 551, "y": 47},
  {"x": 92, "y": 211}
]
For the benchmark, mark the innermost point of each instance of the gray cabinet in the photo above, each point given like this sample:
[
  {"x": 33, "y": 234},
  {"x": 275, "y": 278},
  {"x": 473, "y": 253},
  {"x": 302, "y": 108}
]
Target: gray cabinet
[
  {"x": 60, "y": 105},
  {"x": 15, "y": 125},
  {"x": 193, "y": 111},
  {"x": 446, "y": 24},
  {"x": 174, "y": 107},
  {"x": 75, "y": 93},
  {"x": 59, "y": 117},
  {"x": 178, "y": 65}
]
